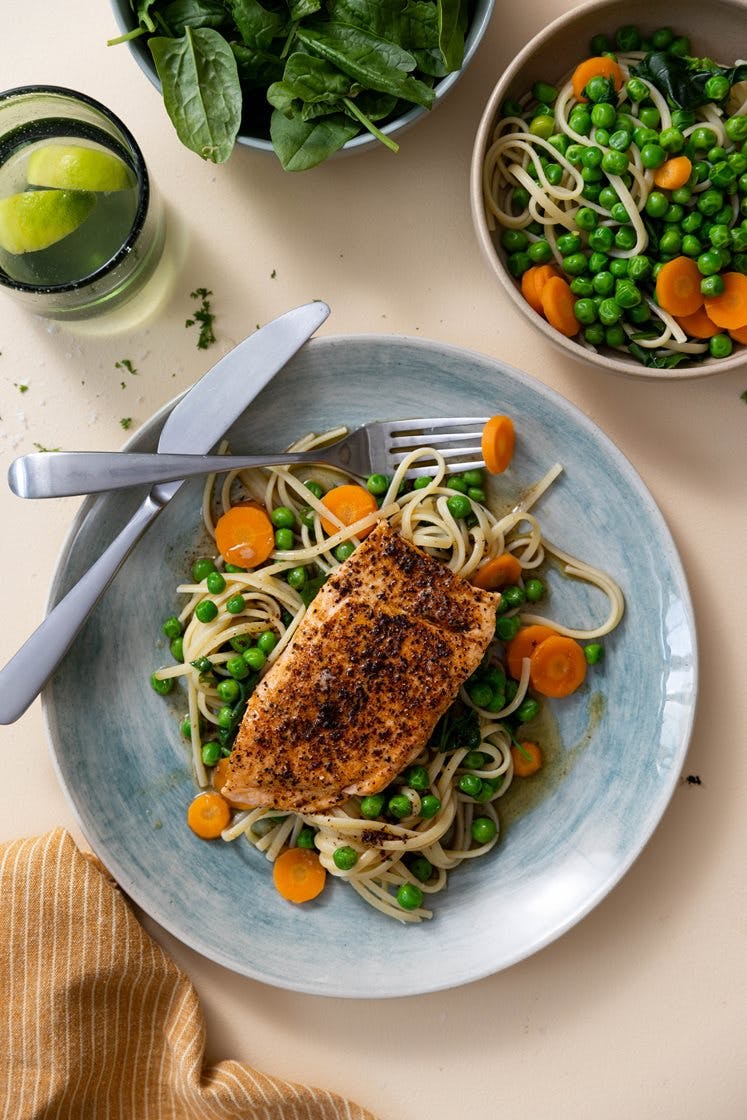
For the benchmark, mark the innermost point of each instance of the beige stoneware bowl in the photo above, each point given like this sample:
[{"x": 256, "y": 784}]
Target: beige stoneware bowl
[{"x": 717, "y": 29}]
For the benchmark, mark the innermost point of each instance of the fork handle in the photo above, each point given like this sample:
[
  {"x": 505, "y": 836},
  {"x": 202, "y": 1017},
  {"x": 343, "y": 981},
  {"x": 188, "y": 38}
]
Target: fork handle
[{"x": 61, "y": 474}]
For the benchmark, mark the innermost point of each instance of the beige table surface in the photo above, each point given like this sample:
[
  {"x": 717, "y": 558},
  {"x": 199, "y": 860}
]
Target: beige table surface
[{"x": 639, "y": 1011}]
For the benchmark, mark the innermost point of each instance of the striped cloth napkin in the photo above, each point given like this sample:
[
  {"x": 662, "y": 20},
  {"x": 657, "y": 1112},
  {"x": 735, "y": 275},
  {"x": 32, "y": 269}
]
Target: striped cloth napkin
[{"x": 97, "y": 1021}]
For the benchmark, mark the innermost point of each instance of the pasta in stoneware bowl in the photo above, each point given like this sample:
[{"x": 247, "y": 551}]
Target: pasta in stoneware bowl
[
  {"x": 470, "y": 861},
  {"x": 609, "y": 189}
]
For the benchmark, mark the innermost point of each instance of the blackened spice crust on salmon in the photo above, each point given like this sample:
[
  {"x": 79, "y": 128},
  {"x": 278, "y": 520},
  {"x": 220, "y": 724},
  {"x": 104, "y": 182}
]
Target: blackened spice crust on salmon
[{"x": 377, "y": 659}]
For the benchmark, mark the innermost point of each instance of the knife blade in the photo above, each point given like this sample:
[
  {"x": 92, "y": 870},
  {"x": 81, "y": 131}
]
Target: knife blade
[{"x": 195, "y": 423}]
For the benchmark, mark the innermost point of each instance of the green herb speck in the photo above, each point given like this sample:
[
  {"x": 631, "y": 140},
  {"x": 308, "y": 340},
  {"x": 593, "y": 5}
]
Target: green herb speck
[
  {"x": 125, "y": 363},
  {"x": 204, "y": 316},
  {"x": 126, "y": 422}
]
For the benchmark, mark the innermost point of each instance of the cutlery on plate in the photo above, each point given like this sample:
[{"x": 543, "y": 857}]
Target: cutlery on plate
[
  {"x": 379, "y": 447},
  {"x": 196, "y": 422}
]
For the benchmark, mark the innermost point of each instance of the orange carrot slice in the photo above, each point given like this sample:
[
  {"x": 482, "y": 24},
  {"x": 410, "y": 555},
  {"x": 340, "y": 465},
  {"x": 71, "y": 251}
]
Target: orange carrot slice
[
  {"x": 557, "y": 666},
  {"x": 527, "y": 759},
  {"x": 598, "y": 67},
  {"x": 678, "y": 287},
  {"x": 524, "y": 645},
  {"x": 498, "y": 441},
  {"x": 208, "y": 814},
  {"x": 501, "y": 571},
  {"x": 245, "y": 536},
  {"x": 729, "y": 309},
  {"x": 533, "y": 281},
  {"x": 350, "y": 503},
  {"x": 558, "y": 302},
  {"x": 698, "y": 325},
  {"x": 739, "y": 334},
  {"x": 298, "y": 875},
  {"x": 673, "y": 173}
]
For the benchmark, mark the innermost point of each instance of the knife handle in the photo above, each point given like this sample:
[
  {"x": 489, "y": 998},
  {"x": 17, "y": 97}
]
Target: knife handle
[
  {"x": 62, "y": 474},
  {"x": 25, "y": 675}
]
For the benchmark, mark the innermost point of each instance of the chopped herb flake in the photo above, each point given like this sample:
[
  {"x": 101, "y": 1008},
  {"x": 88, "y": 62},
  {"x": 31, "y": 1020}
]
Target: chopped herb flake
[
  {"x": 41, "y": 447},
  {"x": 744, "y": 396},
  {"x": 273, "y": 274},
  {"x": 126, "y": 422},
  {"x": 21, "y": 388},
  {"x": 204, "y": 316},
  {"x": 125, "y": 363}
]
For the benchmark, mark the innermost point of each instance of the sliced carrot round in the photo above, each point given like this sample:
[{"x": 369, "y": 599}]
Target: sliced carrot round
[
  {"x": 208, "y": 814},
  {"x": 498, "y": 440},
  {"x": 673, "y": 173},
  {"x": 501, "y": 571},
  {"x": 698, "y": 325},
  {"x": 298, "y": 875},
  {"x": 558, "y": 302},
  {"x": 350, "y": 503},
  {"x": 729, "y": 309},
  {"x": 524, "y": 645},
  {"x": 678, "y": 286},
  {"x": 557, "y": 666},
  {"x": 245, "y": 536},
  {"x": 739, "y": 334},
  {"x": 601, "y": 66},
  {"x": 527, "y": 759},
  {"x": 533, "y": 281}
]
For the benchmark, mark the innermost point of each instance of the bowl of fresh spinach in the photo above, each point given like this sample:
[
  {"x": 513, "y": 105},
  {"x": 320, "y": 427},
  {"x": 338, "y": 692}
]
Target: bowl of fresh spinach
[{"x": 303, "y": 79}]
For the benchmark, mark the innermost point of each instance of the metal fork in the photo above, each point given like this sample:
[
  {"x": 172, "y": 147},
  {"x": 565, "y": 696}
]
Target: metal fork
[{"x": 377, "y": 448}]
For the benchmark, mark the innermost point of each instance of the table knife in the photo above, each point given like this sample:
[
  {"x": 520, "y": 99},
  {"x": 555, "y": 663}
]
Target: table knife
[{"x": 195, "y": 424}]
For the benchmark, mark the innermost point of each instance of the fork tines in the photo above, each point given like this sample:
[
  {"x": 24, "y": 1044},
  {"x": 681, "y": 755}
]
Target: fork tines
[{"x": 457, "y": 438}]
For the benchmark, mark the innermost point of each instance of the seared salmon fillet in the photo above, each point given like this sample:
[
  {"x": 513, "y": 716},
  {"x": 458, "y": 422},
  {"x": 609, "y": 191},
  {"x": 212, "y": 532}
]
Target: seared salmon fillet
[{"x": 376, "y": 661}]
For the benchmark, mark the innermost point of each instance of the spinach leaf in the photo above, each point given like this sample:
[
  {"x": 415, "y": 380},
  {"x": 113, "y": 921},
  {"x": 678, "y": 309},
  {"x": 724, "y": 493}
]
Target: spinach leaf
[
  {"x": 452, "y": 25},
  {"x": 683, "y": 80},
  {"x": 375, "y": 63},
  {"x": 413, "y": 24},
  {"x": 657, "y": 360},
  {"x": 257, "y": 69},
  {"x": 300, "y": 9},
  {"x": 303, "y": 144},
  {"x": 201, "y": 90},
  {"x": 141, "y": 8},
  {"x": 181, "y": 14},
  {"x": 256, "y": 25},
  {"x": 310, "y": 80}
]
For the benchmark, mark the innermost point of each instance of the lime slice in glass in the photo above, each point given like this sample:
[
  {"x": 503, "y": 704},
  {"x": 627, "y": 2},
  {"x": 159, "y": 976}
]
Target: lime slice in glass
[
  {"x": 73, "y": 168},
  {"x": 37, "y": 219}
]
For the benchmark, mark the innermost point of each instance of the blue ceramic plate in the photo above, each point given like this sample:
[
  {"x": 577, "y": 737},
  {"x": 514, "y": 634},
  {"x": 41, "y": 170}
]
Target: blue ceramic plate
[{"x": 124, "y": 766}]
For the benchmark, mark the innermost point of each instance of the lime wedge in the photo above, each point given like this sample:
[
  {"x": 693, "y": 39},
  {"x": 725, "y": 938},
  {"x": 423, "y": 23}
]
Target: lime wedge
[
  {"x": 72, "y": 168},
  {"x": 37, "y": 219}
]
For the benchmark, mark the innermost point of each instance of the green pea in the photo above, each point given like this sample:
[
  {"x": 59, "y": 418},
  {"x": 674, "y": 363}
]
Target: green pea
[
  {"x": 176, "y": 648},
  {"x": 528, "y": 709},
  {"x": 206, "y": 610},
  {"x": 235, "y": 604},
  {"x": 254, "y": 658},
  {"x": 513, "y": 241},
  {"x": 507, "y": 628},
  {"x": 225, "y": 717},
  {"x": 703, "y": 138},
  {"x": 601, "y": 136},
  {"x": 409, "y": 897},
  {"x": 480, "y": 694},
  {"x": 614, "y": 335},
  {"x": 234, "y": 568},
  {"x": 372, "y": 806},
  {"x": 712, "y": 285},
  {"x": 700, "y": 172},
  {"x": 568, "y": 243},
  {"x": 284, "y": 539},
  {"x": 679, "y": 47},
  {"x": 720, "y": 346},
  {"x": 601, "y": 239},
  {"x": 518, "y": 263},
  {"x": 598, "y": 262},
  {"x": 542, "y": 125},
  {"x": 228, "y": 690},
  {"x": 609, "y": 312},
  {"x": 296, "y": 578},
  {"x": 345, "y": 858},
  {"x": 604, "y": 284},
  {"x": 614, "y": 162},
  {"x": 722, "y": 175},
  {"x": 594, "y": 334},
  {"x": 652, "y": 155},
  {"x": 582, "y": 286},
  {"x": 586, "y": 218},
  {"x": 237, "y": 667},
  {"x": 736, "y": 129},
  {"x": 717, "y": 87},
  {"x": 474, "y": 477},
  {"x": 620, "y": 213},
  {"x": 585, "y": 311},
  {"x": 619, "y": 141},
  {"x": 283, "y": 518},
  {"x": 579, "y": 121},
  {"x": 201, "y": 568},
  {"x": 709, "y": 262},
  {"x": 459, "y": 506},
  {"x": 544, "y": 92},
  {"x": 627, "y": 294},
  {"x": 559, "y": 141},
  {"x": 639, "y": 267},
  {"x": 420, "y": 867},
  {"x": 469, "y": 784},
  {"x": 643, "y": 135},
  {"x": 305, "y": 838},
  {"x": 600, "y": 89},
  {"x": 692, "y": 222},
  {"x": 215, "y": 583},
  {"x": 592, "y": 175},
  {"x": 540, "y": 252},
  {"x": 670, "y": 242},
  {"x": 661, "y": 38},
  {"x": 430, "y": 805},
  {"x": 418, "y": 778},
  {"x": 162, "y": 686},
  {"x": 691, "y": 245},
  {"x": 399, "y": 806},
  {"x": 639, "y": 314},
  {"x": 593, "y": 653},
  {"x": 534, "y": 589},
  {"x": 172, "y": 627},
  {"x": 511, "y": 108},
  {"x": 603, "y": 115},
  {"x": 210, "y": 753},
  {"x": 267, "y": 641},
  {"x": 343, "y": 551},
  {"x": 737, "y": 160},
  {"x": 599, "y": 44},
  {"x": 483, "y": 830},
  {"x": 649, "y": 116},
  {"x": 575, "y": 264},
  {"x": 671, "y": 140}
]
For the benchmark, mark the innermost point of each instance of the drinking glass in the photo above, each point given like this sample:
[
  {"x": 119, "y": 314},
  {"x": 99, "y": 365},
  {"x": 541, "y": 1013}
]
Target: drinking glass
[{"x": 81, "y": 225}]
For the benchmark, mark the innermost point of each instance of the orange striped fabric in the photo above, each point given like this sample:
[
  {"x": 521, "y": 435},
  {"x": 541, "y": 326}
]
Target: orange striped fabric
[{"x": 97, "y": 1021}]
